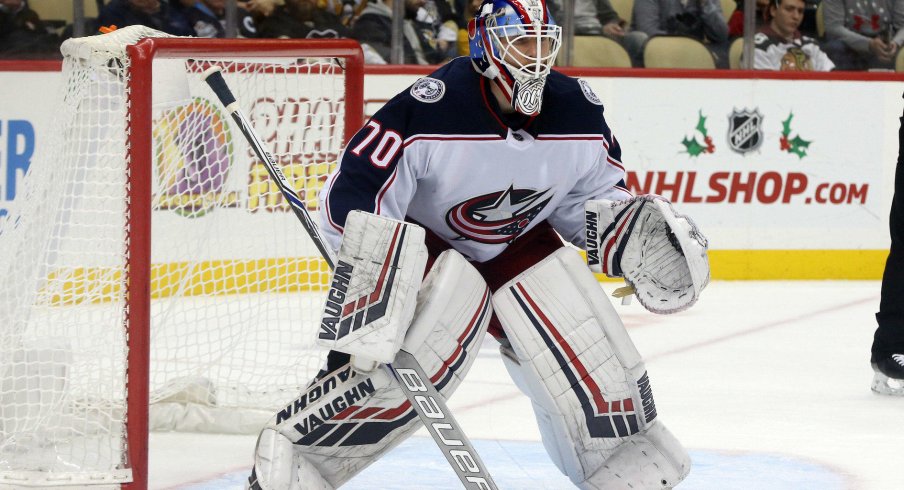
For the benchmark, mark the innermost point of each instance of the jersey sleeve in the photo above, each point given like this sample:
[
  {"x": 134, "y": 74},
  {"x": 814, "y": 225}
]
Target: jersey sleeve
[
  {"x": 605, "y": 179},
  {"x": 373, "y": 175}
]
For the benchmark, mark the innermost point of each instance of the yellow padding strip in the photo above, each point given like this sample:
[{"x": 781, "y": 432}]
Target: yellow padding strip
[
  {"x": 769, "y": 265},
  {"x": 287, "y": 275},
  {"x": 210, "y": 278},
  {"x": 797, "y": 264}
]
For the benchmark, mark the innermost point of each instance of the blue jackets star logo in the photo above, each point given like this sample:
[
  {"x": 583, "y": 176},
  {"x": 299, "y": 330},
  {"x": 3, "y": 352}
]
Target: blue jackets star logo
[{"x": 497, "y": 217}]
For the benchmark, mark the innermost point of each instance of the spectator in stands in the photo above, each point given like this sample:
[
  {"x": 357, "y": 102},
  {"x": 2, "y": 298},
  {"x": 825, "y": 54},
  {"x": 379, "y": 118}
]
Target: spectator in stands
[
  {"x": 23, "y": 34},
  {"x": 347, "y": 10},
  {"x": 779, "y": 45},
  {"x": 208, "y": 19},
  {"x": 260, "y": 10},
  {"x": 302, "y": 19},
  {"x": 598, "y": 18},
  {"x": 373, "y": 29},
  {"x": 863, "y": 35},
  {"x": 736, "y": 20},
  {"x": 466, "y": 12},
  {"x": 699, "y": 19},
  {"x": 436, "y": 23},
  {"x": 151, "y": 13}
]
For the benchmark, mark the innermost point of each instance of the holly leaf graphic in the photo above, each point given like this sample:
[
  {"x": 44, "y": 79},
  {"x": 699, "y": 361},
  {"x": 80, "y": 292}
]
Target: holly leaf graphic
[
  {"x": 799, "y": 146},
  {"x": 786, "y": 124},
  {"x": 693, "y": 146},
  {"x": 701, "y": 123}
]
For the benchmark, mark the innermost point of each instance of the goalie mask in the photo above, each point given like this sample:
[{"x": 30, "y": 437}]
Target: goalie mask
[{"x": 515, "y": 43}]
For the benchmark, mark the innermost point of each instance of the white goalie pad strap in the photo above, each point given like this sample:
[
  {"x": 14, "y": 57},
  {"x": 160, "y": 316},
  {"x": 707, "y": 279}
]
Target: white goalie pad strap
[
  {"x": 373, "y": 291},
  {"x": 661, "y": 254},
  {"x": 571, "y": 354},
  {"x": 346, "y": 420}
]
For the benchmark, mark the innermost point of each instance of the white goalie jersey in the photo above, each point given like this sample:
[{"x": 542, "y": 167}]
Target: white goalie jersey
[{"x": 457, "y": 175}]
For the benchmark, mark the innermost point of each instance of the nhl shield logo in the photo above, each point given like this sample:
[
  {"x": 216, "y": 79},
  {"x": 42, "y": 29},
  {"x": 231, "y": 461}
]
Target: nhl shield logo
[{"x": 745, "y": 130}]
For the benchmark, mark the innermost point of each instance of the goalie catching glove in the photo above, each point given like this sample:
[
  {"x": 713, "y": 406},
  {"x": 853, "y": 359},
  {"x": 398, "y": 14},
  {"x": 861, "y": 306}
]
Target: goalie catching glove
[{"x": 660, "y": 253}]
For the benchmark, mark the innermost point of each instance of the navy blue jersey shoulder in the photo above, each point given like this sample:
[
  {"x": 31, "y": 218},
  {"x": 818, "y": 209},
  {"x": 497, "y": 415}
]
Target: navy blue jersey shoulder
[
  {"x": 463, "y": 109},
  {"x": 568, "y": 110},
  {"x": 459, "y": 110}
]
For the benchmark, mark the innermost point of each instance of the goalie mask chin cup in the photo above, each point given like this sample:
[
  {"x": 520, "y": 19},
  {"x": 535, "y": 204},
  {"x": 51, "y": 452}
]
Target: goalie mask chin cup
[{"x": 515, "y": 43}]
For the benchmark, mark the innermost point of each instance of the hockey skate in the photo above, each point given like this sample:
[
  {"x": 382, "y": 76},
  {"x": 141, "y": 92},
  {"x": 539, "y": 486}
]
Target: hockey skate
[{"x": 889, "y": 376}]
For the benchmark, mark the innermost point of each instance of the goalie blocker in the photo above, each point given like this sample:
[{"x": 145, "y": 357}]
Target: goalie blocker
[{"x": 373, "y": 294}]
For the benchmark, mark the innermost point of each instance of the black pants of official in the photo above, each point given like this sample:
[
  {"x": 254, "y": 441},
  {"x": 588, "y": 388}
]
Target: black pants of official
[{"x": 889, "y": 337}]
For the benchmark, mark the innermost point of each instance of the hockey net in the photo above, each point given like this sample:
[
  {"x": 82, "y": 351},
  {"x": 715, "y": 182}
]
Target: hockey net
[{"x": 152, "y": 267}]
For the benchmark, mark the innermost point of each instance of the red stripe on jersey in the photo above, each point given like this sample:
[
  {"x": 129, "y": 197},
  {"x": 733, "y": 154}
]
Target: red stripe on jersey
[
  {"x": 452, "y": 138},
  {"x": 626, "y": 191},
  {"x": 615, "y": 163},
  {"x": 385, "y": 188},
  {"x": 486, "y": 101},
  {"x": 329, "y": 216}
]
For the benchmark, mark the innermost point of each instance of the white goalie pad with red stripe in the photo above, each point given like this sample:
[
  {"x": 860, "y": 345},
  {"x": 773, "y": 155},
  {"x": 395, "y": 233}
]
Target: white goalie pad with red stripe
[
  {"x": 570, "y": 353},
  {"x": 346, "y": 420},
  {"x": 661, "y": 254},
  {"x": 373, "y": 291}
]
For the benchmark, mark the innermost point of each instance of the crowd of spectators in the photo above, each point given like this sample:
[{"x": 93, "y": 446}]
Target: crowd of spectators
[
  {"x": 23, "y": 33},
  {"x": 857, "y": 35}
]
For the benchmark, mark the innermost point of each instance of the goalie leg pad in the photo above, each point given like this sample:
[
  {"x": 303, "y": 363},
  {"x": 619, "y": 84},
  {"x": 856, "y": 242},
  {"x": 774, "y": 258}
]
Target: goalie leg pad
[
  {"x": 373, "y": 291},
  {"x": 570, "y": 353},
  {"x": 347, "y": 420},
  {"x": 277, "y": 466}
]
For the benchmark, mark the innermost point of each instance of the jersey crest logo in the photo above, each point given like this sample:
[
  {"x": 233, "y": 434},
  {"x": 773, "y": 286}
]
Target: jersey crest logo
[
  {"x": 589, "y": 93},
  {"x": 497, "y": 217},
  {"x": 428, "y": 90}
]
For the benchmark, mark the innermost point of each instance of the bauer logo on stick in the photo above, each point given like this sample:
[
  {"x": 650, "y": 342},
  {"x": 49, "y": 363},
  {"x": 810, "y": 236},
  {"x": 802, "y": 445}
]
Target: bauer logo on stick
[{"x": 468, "y": 464}]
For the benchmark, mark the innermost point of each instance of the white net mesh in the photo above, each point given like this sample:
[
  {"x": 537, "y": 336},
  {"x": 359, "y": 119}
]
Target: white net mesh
[{"x": 235, "y": 281}]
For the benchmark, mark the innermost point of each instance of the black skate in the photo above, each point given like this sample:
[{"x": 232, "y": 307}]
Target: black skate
[{"x": 889, "y": 377}]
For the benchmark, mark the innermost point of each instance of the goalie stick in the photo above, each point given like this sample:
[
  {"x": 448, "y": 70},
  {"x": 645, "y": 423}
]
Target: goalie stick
[{"x": 414, "y": 382}]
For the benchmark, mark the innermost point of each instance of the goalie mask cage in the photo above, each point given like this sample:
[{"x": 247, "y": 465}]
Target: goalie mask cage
[{"x": 154, "y": 277}]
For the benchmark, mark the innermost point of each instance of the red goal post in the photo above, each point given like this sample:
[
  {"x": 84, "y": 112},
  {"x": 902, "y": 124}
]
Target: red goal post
[
  {"x": 153, "y": 270},
  {"x": 142, "y": 55}
]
